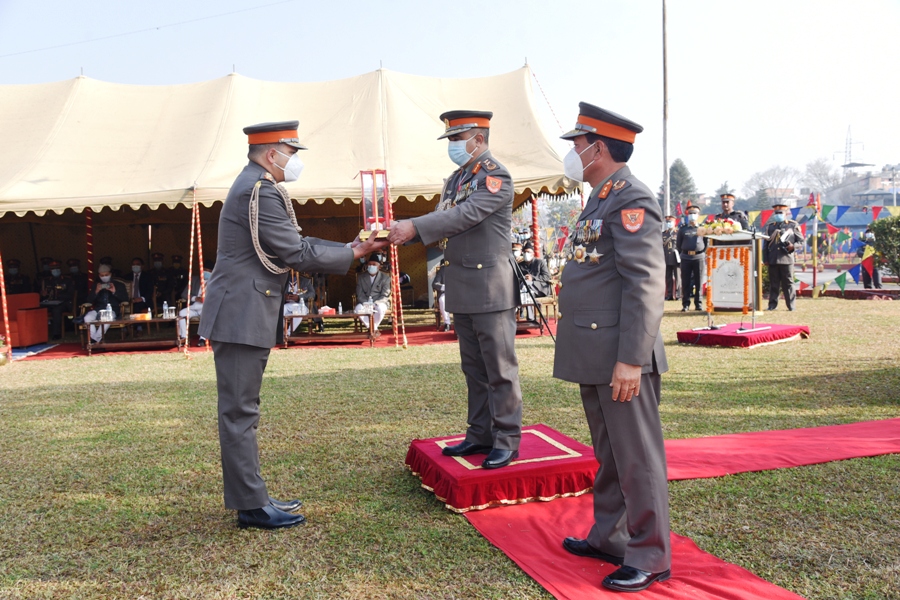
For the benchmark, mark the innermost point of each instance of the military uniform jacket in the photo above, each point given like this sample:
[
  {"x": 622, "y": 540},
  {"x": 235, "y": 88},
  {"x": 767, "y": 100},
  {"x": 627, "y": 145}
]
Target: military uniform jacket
[
  {"x": 58, "y": 289},
  {"x": 18, "y": 284},
  {"x": 775, "y": 251},
  {"x": 243, "y": 299},
  {"x": 689, "y": 241},
  {"x": 379, "y": 289},
  {"x": 736, "y": 215},
  {"x": 611, "y": 295},
  {"x": 475, "y": 215},
  {"x": 438, "y": 283},
  {"x": 670, "y": 239}
]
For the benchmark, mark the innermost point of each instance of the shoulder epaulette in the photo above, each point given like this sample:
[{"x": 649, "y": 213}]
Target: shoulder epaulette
[
  {"x": 621, "y": 185},
  {"x": 489, "y": 164}
]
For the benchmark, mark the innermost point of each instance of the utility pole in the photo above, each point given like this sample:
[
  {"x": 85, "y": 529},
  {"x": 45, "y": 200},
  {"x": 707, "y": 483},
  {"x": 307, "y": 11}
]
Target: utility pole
[{"x": 666, "y": 200}]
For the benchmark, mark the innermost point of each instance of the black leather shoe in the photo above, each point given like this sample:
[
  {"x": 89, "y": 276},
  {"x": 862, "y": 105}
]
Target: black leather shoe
[
  {"x": 289, "y": 506},
  {"x": 771, "y": 308},
  {"x": 268, "y": 517},
  {"x": 684, "y": 309},
  {"x": 465, "y": 449},
  {"x": 629, "y": 579},
  {"x": 499, "y": 458},
  {"x": 582, "y": 548}
]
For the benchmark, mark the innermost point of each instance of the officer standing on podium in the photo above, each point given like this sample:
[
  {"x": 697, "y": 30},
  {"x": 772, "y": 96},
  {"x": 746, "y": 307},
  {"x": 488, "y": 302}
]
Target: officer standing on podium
[
  {"x": 608, "y": 341},
  {"x": 473, "y": 220}
]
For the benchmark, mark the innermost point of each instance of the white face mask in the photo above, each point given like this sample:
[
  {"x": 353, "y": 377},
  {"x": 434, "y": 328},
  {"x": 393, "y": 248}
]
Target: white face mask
[
  {"x": 572, "y": 166},
  {"x": 517, "y": 253},
  {"x": 292, "y": 168},
  {"x": 529, "y": 256},
  {"x": 693, "y": 217},
  {"x": 105, "y": 278},
  {"x": 372, "y": 269}
]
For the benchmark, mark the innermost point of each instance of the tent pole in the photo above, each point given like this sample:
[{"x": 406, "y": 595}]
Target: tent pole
[
  {"x": 395, "y": 272},
  {"x": 6, "y": 334},
  {"x": 37, "y": 263},
  {"x": 89, "y": 231},
  {"x": 187, "y": 317},
  {"x": 200, "y": 264},
  {"x": 536, "y": 240}
]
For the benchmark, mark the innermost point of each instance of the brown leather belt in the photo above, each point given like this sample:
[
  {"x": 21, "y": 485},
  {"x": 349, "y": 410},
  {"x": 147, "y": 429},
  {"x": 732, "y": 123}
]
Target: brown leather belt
[{"x": 692, "y": 252}]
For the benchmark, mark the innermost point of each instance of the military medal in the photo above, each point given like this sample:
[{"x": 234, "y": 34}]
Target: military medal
[
  {"x": 594, "y": 256},
  {"x": 580, "y": 253}
]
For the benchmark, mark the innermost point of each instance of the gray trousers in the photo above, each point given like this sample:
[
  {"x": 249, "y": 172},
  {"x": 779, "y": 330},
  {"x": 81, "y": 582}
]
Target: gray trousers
[
  {"x": 781, "y": 279},
  {"x": 239, "y": 373},
  {"x": 488, "y": 359},
  {"x": 631, "y": 494}
]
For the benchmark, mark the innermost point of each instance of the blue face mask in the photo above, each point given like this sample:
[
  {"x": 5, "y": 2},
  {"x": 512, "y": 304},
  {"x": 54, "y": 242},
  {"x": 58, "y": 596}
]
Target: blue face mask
[
  {"x": 779, "y": 217},
  {"x": 457, "y": 152}
]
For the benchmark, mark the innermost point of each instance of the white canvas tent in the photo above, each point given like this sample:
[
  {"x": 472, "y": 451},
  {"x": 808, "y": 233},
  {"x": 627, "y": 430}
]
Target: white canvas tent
[{"x": 86, "y": 143}]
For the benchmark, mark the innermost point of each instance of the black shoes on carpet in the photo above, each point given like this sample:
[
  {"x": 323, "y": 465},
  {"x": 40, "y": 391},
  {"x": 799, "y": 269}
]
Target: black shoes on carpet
[
  {"x": 496, "y": 457},
  {"x": 583, "y": 548},
  {"x": 465, "y": 449},
  {"x": 629, "y": 579}
]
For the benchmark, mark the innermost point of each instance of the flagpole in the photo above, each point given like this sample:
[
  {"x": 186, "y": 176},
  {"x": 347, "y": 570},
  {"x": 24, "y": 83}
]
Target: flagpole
[
  {"x": 815, "y": 244},
  {"x": 665, "y": 116}
]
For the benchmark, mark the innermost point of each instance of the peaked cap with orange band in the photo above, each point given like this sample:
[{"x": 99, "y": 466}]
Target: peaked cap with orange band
[
  {"x": 284, "y": 132},
  {"x": 593, "y": 119},
  {"x": 457, "y": 121}
]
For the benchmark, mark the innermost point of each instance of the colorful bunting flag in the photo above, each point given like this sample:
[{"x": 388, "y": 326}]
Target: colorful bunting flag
[
  {"x": 764, "y": 216},
  {"x": 840, "y": 212},
  {"x": 803, "y": 230},
  {"x": 868, "y": 263},
  {"x": 565, "y": 230},
  {"x": 854, "y": 273},
  {"x": 894, "y": 210},
  {"x": 841, "y": 280},
  {"x": 803, "y": 285},
  {"x": 825, "y": 210},
  {"x": 841, "y": 237},
  {"x": 875, "y": 211},
  {"x": 560, "y": 244},
  {"x": 755, "y": 213},
  {"x": 795, "y": 212},
  {"x": 831, "y": 229},
  {"x": 868, "y": 252},
  {"x": 856, "y": 245}
]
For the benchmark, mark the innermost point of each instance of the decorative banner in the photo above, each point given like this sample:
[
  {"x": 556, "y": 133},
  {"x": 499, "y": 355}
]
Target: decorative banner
[
  {"x": 841, "y": 280},
  {"x": 894, "y": 210},
  {"x": 795, "y": 212},
  {"x": 764, "y": 216},
  {"x": 560, "y": 244},
  {"x": 875, "y": 211},
  {"x": 854, "y": 273},
  {"x": 841, "y": 237},
  {"x": 678, "y": 211},
  {"x": 869, "y": 252},
  {"x": 825, "y": 210},
  {"x": 803, "y": 230},
  {"x": 831, "y": 229},
  {"x": 840, "y": 212},
  {"x": 755, "y": 213},
  {"x": 548, "y": 233},
  {"x": 565, "y": 231},
  {"x": 804, "y": 285},
  {"x": 868, "y": 264},
  {"x": 856, "y": 245}
]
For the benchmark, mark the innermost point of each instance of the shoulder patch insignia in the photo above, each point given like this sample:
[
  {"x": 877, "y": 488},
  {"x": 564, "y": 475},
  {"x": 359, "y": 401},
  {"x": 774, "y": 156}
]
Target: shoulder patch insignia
[
  {"x": 476, "y": 169},
  {"x": 493, "y": 184},
  {"x": 633, "y": 219},
  {"x": 268, "y": 176},
  {"x": 604, "y": 191},
  {"x": 490, "y": 165},
  {"x": 620, "y": 185}
]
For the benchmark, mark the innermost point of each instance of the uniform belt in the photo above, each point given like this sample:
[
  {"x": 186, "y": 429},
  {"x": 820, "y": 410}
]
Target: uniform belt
[{"x": 692, "y": 252}]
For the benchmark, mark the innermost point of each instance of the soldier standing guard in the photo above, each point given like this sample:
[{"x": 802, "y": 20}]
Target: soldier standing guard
[
  {"x": 472, "y": 221},
  {"x": 692, "y": 250},
  {"x": 728, "y": 211},
  {"x": 673, "y": 259},
  {"x": 16, "y": 281},
  {"x": 259, "y": 242},
  {"x": 778, "y": 254},
  {"x": 611, "y": 305}
]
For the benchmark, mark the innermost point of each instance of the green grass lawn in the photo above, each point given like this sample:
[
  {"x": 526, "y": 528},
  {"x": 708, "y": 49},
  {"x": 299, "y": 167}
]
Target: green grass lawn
[{"x": 110, "y": 485}]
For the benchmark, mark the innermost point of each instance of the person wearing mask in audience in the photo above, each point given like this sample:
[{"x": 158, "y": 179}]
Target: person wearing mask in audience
[
  {"x": 195, "y": 308},
  {"x": 536, "y": 277},
  {"x": 82, "y": 285},
  {"x": 141, "y": 287},
  {"x": 517, "y": 251},
  {"x": 43, "y": 274},
  {"x": 692, "y": 251},
  {"x": 778, "y": 255},
  {"x": 374, "y": 284},
  {"x": 673, "y": 259},
  {"x": 877, "y": 259},
  {"x": 57, "y": 292},
  {"x": 16, "y": 281},
  {"x": 438, "y": 285},
  {"x": 162, "y": 280},
  {"x": 106, "y": 292},
  {"x": 296, "y": 298},
  {"x": 177, "y": 276},
  {"x": 107, "y": 260}
]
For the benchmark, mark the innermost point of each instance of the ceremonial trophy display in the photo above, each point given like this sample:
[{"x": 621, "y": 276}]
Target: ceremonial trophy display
[
  {"x": 733, "y": 267},
  {"x": 376, "y": 209}
]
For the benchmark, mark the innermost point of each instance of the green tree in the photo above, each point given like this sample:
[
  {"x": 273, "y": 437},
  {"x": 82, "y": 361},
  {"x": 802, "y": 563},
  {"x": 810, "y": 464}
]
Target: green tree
[
  {"x": 724, "y": 189},
  {"x": 681, "y": 185},
  {"x": 887, "y": 241}
]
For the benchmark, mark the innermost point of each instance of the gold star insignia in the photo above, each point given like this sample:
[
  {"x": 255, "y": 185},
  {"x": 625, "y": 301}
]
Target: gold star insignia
[
  {"x": 594, "y": 256},
  {"x": 579, "y": 253}
]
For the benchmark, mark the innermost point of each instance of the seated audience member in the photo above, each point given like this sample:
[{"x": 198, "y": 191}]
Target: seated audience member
[
  {"x": 178, "y": 276},
  {"x": 536, "y": 278},
  {"x": 107, "y": 260},
  {"x": 438, "y": 286},
  {"x": 43, "y": 274},
  {"x": 57, "y": 292},
  {"x": 82, "y": 285},
  {"x": 162, "y": 280},
  {"x": 141, "y": 287},
  {"x": 517, "y": 251},
  {"x": 105, "y": 292},
  {"x": 16, "y": 282},
  {"x": 195, "y": 309},
  {"x": 374, "y": 284},
  {"x": 296, "y": 298}
]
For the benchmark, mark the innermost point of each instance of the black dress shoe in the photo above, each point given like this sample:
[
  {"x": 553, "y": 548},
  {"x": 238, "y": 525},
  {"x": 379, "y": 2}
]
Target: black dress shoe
[
  {"x": 629, "y": 579},
  {"x": 268, "y": 517},
  {"x": 582, "y": 548},
  {"x": 499, "y": 458},
  {"x": 465, "y": 449},
  {"x": 684, "y": 309},
  {"x": 289, "y": 506}
]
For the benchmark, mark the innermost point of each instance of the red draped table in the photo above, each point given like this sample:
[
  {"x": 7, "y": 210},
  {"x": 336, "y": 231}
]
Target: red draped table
[{"x": 730, "y": 335}]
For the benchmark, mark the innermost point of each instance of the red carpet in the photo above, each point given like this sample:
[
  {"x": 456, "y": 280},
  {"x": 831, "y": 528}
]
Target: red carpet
[
  {"x": 728, "y": 335},
  {"x": 532, "y": 534},
  {"x": 550, "y": 465},
  {"x": 719, "y": 455}
]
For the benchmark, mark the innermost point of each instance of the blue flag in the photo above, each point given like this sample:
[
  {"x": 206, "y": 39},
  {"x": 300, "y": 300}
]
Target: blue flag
[
  {"x": 795, "y": 212},
  {"x": 840, "y": 212},
  {"x": 856, "y": 245},
  {"x": 854, "y": 273}
]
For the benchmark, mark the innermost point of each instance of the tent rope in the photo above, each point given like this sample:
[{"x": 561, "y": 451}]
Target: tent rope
[
  {"x": 547, "y": 100},
  {"x": 253, "y": 210}
]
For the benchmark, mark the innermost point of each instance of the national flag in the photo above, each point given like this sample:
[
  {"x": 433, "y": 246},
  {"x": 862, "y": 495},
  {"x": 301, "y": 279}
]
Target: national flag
[
  {"x": 678, "y": 211},
  {"x": 803, "y": 230},
  {"x": 812, "y": 202}
]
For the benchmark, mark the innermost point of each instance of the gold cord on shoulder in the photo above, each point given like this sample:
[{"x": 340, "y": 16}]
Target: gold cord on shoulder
[{"x": 253, "y": 214}]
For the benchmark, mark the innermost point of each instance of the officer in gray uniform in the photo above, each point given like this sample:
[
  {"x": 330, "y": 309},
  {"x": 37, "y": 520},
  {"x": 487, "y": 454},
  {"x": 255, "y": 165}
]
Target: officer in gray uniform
[
  {"x": 692, "y": 250},
  {"x": 259, "y": 242},
  {"x": 778, "y": 254},
  {"x": 608, "y": 341},
  {"x": 473, "y": 220},
  {"x": 673, "y": 258}
]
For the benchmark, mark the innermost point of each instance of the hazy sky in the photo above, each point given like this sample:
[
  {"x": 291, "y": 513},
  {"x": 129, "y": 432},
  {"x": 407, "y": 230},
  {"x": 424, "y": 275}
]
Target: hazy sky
[{"x": 751, "y": 84}]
